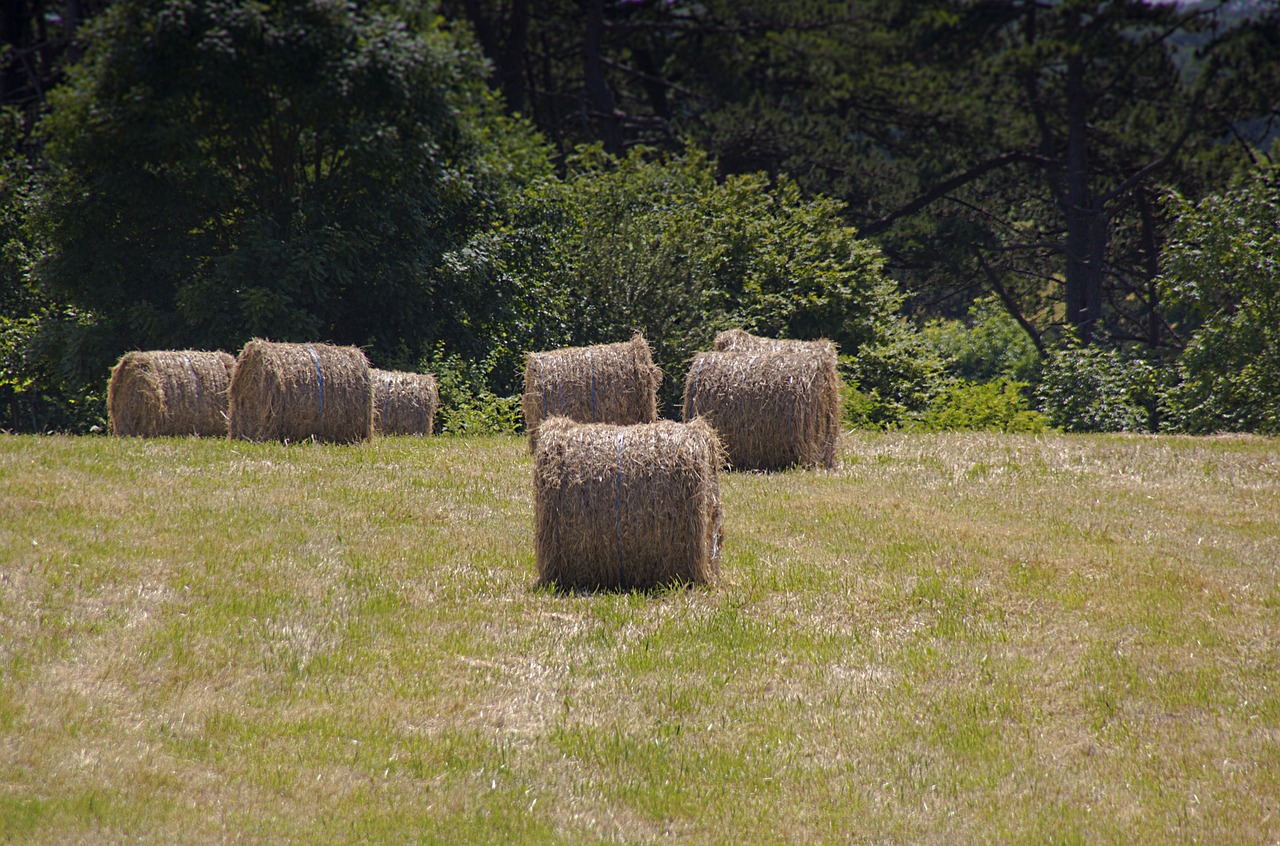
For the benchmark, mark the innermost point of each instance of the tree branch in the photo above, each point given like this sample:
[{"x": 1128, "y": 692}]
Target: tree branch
[
  {"x": 945, "y": 187},
  {"x": 1010, "y": 305}
]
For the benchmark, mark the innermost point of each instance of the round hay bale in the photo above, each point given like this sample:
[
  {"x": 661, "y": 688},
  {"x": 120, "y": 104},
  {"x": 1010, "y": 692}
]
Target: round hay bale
[
  {"x": 297, "y": 392},
  {"x": 404, "y": 403},
  {"x": 739, "y": 340},
  {"x": 627, "y": 507},
  {"x": 772, "y": 409},
  {"x": 170, "y": 392},
  {"x": 607, "y": 383}
]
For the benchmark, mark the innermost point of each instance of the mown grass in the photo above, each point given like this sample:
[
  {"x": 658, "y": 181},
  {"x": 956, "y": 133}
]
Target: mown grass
[{"x": 952, "y": 638}]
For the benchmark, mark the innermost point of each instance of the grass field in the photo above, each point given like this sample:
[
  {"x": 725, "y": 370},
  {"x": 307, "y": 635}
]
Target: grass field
[{"x": 952, "y": 638}]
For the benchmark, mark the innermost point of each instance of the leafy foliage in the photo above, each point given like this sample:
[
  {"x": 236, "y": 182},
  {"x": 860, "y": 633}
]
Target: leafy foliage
[
  {"x": 988, "y": 345},
  {"x": 41, "y": 340},
  {"x": 468, "y": 405},
  {"x": 1223, "y": 269},
  {"x": 660, "y": 245},
  {"x": 1097, "y": 389},
  {"x": 294, "y": 169},
  {"x": 1000, "y": 405}
]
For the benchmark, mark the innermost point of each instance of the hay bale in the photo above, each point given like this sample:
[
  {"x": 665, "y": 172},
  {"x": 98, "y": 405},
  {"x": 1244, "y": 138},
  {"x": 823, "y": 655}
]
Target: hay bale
[
  {"x": 170, "y": 392},
  {"x": 626, "y": 506},
  {"x": 772, "y": 409},
  {"x": 404, "y": 403},
  {"x": 739, "y": 340},
  {"x": 608, "y": 383},
  {"x": 296, "y": 392}
]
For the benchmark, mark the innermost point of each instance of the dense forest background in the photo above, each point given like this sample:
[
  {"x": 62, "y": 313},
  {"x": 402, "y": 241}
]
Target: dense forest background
[{"x": 1009, "y": 215}]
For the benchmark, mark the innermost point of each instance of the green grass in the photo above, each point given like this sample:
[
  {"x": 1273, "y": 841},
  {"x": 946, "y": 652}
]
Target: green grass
[{"x": 952, "y": 638}]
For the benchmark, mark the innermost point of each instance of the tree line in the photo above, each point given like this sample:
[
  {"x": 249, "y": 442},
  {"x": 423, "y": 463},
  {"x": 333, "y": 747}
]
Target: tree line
[{"x": 1009, "y": 213}]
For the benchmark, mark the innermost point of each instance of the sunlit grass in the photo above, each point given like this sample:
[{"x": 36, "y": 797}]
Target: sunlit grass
[{"x": 951, "y": 638}]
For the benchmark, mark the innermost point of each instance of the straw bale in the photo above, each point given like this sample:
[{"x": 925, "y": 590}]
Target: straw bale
[
  {"x": 629, "y": 507},
  {"x": 607, "y": 383},
  {"x": 404, "y": 403},
  {"x": 296, "y": 392},
  {"x": 169, "y": 392},
  {"x": 739, "y": 340},
  {"x": 772, "y": 409}
]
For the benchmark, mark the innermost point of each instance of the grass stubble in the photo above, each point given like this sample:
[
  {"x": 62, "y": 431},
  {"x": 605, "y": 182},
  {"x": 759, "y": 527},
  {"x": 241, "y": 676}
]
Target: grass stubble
[{"x": 949, "y": 638}]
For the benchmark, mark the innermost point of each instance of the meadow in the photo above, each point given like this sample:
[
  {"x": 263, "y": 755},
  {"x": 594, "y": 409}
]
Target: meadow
[{"x": 951, "y": 638}]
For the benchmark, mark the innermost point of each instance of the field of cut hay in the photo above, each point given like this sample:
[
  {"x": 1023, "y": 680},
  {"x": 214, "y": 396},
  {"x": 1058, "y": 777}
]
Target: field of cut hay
[{"x": 955, "y": 638}]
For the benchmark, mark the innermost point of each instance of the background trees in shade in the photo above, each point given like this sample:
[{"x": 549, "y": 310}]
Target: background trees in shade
[
  {"x": 1011, "y": 148},
  {"x": 412, "y": 177},
  {"x": 225, "y": 170}
]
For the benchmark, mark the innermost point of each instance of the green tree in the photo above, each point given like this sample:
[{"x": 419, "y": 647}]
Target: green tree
[
  {"x": 661, "y": 245},
  {"x": 295, "y": 169},
  {"x": 1010, "y": 147},
  {"x": 1098, "y": 389},
  {"x": 1222, "y": 270},
  {"x": 41, "y": 339}
]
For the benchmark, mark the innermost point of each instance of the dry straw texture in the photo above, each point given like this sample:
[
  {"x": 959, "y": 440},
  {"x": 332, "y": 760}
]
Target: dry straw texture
[
  {"x": 609, "y": 383},
  {"x": 739, "y": 340},
  {"x": 296, "y": 392},
  {"x": 629, "y": 507},
  {"x": 772, "y": 409},
  {"x": 181, "y": 392},
  {"x": 404, "y": 403}
]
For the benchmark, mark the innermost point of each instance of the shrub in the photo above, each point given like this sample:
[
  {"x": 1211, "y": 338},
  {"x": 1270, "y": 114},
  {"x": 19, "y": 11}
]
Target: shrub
[
  {"x": 467, "y": 405},
  {"x": 662, "y": 246},
  {"x": 1222, "y": 268},
  {"x": 986, "y": 345},
  {"x": 1091, "y": 389},
  {"x": 1000, "y": 405}
]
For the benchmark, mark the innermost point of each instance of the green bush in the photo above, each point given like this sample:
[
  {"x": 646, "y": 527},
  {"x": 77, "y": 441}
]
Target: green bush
[
  {"x": 661, "y": 245},
  {"x": 1222, "y": 271},
  {"x": 467, "y": 405},
  {"x": 1092, "y": 389},
  {"x": 43, "y": 384},
  {"x": 987, "y": 345},
  {"x": 1000, "y": 405},
  {"x": 892, "y": 381}
]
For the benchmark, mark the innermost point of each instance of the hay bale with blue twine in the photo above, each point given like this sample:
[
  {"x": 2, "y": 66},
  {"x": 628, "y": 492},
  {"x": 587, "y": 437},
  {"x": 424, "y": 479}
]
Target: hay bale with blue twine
[
  {"x": 161, "y": 393},
  {"x": 606, "y": 383},
  {"x": 627, "y": 507},
  {"x": 773, "y": 409},
  {"x": 404, "y": 403},
  {"x": 298, "y": 392}
]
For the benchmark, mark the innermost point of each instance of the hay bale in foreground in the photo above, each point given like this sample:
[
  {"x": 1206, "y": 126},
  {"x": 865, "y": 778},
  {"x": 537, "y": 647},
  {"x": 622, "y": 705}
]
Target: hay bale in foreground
[
  {"x": 607, "y": 383},
  {"x": 169, "y": 392},
  {"x": 772, "y": 409},
  {"x": 739, "y": 340},
  {"x": 297, "y": 392},
  {"x": 629, "y": 507},
  {"x": 404, "y": 403}
]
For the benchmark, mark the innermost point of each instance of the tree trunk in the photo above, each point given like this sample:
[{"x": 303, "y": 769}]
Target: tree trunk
[
  {"x": 599, "y": 99},
  {"x": 1085, "y": 217}
]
